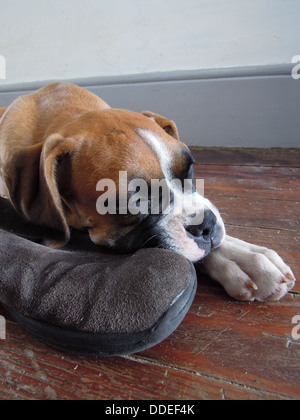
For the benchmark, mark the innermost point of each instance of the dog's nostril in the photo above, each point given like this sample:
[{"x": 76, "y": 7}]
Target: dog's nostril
[
  {"x": 198, "y": 231},
  {"x": 206, "y": 233},
  {"x": 206, "y": 229}
]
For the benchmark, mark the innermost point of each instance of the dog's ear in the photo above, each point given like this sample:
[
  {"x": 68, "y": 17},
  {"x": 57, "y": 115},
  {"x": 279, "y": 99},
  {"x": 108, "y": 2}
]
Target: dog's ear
[
  {"x": 33, "y": 185},
  {"x": 167, "y": 125}
]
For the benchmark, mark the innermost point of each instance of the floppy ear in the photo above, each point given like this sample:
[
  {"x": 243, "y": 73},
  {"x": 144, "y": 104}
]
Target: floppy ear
[
  {"x": 167, "y": 125},
  {"x": 31, "y": 179}
]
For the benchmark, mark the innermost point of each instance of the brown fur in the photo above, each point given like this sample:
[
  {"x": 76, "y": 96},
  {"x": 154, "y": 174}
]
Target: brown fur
[{"x": 2, "y": 110}]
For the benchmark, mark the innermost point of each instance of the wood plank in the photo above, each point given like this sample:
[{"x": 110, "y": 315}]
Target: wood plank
[
  {"x": 243, "y": 343},
  {"x": 247, "y": 156},
  {"x": 254, "y": 212},
  {"x": 250, "y": 181},
  {"x": 30, "y": 370}
]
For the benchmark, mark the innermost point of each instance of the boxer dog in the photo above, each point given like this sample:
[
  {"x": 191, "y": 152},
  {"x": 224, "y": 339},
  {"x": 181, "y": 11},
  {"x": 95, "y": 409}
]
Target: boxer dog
[{"x": 59, "y": 142}]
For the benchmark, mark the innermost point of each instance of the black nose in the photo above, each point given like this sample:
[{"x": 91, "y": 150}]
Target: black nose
[{"x": 207, "y": 227}]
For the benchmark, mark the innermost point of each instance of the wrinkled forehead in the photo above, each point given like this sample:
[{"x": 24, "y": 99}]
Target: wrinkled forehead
[
  {"x": 120, "y": 140},
  {"x": 148, "y": 141},
  {"x": 173, "y": 156}
]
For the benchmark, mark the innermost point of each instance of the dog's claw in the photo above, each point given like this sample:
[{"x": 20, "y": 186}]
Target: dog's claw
[{"x": 251, "y": 285}]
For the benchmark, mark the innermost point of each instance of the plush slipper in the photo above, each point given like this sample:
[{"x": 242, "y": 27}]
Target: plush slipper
[{"x": 86, "y": 300}]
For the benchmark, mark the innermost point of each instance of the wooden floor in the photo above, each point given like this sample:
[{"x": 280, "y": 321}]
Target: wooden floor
[{"x": 223, "y": 349}]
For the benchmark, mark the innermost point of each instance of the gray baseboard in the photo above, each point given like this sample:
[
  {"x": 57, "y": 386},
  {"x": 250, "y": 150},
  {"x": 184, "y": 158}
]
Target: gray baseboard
[{"x": 240, "y": 107}]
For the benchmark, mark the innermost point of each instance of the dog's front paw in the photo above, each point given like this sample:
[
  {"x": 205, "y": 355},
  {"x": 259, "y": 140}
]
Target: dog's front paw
[{"x": 249, "y": 272}]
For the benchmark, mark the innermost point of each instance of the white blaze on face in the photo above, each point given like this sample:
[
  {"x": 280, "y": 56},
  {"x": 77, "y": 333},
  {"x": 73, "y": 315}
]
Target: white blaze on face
[{"x": 187, "y": 209}]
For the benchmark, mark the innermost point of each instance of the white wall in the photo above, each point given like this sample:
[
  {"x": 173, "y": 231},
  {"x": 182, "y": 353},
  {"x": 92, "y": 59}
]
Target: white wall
[{"x": 65, "y": 39}]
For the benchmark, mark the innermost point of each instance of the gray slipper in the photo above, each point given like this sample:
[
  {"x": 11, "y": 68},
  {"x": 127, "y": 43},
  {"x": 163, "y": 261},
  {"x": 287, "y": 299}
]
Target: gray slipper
[{"x": 84, "y": 299}]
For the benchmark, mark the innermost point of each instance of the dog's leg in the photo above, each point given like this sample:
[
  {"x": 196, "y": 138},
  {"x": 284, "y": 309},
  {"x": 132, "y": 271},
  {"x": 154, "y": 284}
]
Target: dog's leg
[{"x": 249, "y": 272}]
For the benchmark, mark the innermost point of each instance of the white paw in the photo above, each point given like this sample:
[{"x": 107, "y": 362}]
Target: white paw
[{"x": 249, "y": 272}]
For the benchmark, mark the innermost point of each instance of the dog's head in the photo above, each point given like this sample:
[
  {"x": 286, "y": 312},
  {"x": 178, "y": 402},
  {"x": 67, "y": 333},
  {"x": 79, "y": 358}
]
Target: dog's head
[{"x": 120, "y": 175}]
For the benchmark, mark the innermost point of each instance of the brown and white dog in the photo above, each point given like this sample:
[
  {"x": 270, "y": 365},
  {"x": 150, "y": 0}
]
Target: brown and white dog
[{"x": 57, "y": 143}]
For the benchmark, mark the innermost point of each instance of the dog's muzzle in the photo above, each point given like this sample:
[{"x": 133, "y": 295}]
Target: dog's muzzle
[{"x": 209, "y": 234}]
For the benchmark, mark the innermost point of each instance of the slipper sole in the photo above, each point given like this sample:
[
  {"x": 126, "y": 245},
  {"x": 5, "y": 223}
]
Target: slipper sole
[{"x": 108, "y": 344}]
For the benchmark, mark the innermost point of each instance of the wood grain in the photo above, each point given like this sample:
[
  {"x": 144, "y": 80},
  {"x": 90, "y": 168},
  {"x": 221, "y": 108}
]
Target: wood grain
[
  {"x": 250, "y": 182},
  {"x": 223, "y": 349},
  {"x": 247, "y": 156},
  {"x": 248, "y": 344},
  {"x": 33, "y": 371},
  {"x": 269, "y": 214}
]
